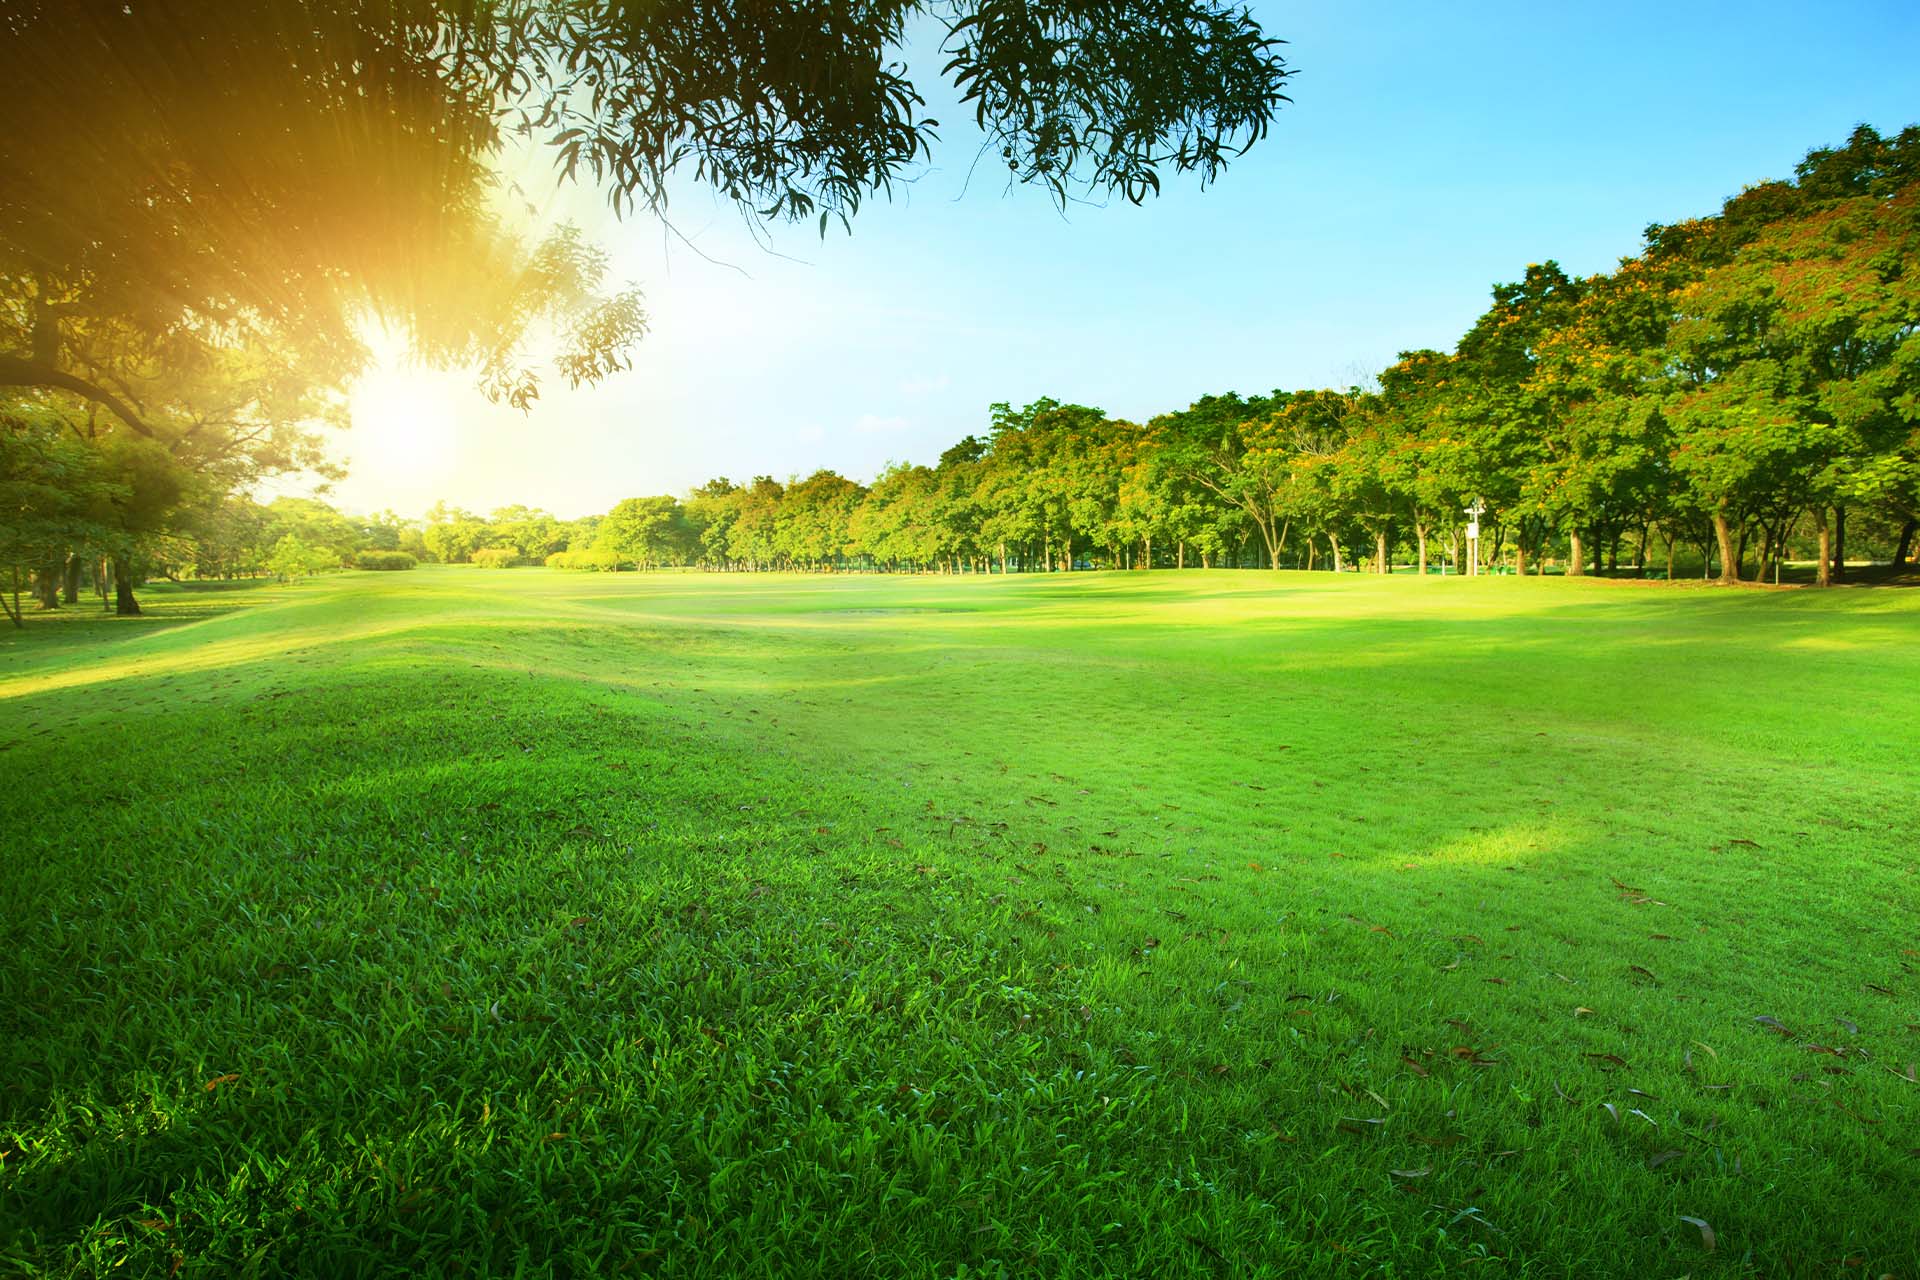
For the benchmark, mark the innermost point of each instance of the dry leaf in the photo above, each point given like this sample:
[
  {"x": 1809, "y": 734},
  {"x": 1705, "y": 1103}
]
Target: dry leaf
[
  {"x": 1706, "y": 1232},
  {"x": 1581, "y": 1011},
  {"x": 217, "y": 1081},
  {"x": 1659, "y": 1158}
]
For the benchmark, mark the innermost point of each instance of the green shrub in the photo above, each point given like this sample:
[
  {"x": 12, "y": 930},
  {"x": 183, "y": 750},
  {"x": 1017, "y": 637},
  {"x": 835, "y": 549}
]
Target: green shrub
[
  {"x": 496, "y": 557},
  {"x": 383, "y": 560},
  {"x": 594, "y": 559},
  {"x": 293, "y": 559}
]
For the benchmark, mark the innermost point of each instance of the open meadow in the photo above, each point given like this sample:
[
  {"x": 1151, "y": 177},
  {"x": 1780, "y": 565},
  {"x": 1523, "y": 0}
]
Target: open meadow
[{"x": 1202, "y": 923}]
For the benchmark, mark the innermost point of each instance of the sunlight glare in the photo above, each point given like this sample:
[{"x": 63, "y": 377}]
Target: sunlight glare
[{"x": 403, "y": 419}]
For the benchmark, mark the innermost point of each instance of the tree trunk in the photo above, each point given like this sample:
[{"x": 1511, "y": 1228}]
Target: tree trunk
[
  {"x": 1905, "y": 544},
  {"x": 1823, "y": 573},
  {"x": 1729, "y": 558},
  {"x": 1576, "y": 555},
  {"x": 1672, "y": 544},
  {"x": 46, "y": 585},
  {"x": 1380, "y": 564},
  {"x": 1839, "y": 544},
  {"x": 123, "y": 602},
  {"x": 1180, "y": 555},
  {"x": 1519, "y": 558},
  {"x": 14, "y": 611},
  {"x": 1420, "y": 536},
  {"x": 70, "y": 582},
  {"x": 1333, "y": 542}
]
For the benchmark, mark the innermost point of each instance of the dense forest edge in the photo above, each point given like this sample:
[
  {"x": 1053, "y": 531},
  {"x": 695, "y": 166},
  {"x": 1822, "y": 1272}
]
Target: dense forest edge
[{"x": 1743, "y": 393}]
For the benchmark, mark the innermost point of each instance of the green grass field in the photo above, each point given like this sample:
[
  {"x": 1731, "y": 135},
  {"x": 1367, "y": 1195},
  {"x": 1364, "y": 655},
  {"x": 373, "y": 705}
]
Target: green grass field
[{"x": 1204, "y": 924}]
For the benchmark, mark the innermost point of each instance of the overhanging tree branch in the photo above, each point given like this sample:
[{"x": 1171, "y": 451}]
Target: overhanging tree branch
[{"x": 16, "y": 371}]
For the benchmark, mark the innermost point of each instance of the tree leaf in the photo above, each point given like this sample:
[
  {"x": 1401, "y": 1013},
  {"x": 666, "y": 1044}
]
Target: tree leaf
[{"x": 1706, "y": 1232}]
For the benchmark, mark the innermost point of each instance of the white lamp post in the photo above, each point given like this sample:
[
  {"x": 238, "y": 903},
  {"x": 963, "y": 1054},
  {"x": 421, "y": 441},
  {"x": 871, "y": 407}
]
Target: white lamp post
[{"x": 1474, "y": 513}]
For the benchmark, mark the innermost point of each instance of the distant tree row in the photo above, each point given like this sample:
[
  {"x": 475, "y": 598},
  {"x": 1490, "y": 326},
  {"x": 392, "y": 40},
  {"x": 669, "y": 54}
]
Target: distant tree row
[
  {"x": 1743, "y": 391},
  {"x": 1748, "y": 385}
]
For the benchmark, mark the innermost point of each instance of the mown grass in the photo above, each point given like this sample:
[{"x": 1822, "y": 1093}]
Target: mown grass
[{"x": 1205, "y": 924}]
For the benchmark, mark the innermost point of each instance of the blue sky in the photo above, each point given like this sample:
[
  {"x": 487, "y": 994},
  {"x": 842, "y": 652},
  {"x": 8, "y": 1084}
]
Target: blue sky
[{"x": 1429, "y": 151}]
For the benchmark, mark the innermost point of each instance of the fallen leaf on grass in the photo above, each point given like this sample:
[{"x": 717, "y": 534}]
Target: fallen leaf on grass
[
  {"x": 1844, "y": 1110},
  {"x": 1644, "y": 972},
  {"x": 1613, "y": 1058},
  {"x": 1659, "y": 1158},
  {"x": 1775, "y": 1024},
  {"x": 1744, "y": 843},
  {"x": 217, "y": 1081},
  {"x": 1877, "y": 988},
  {"x": 1709, "y": 1048},
  {"x": 1419, "y": 1070},
  {"x": 1706, "y": 1232},
  {"x": 1581, "y": 1011},
  {"x": 1853, "y": 1028},
  {"x": 1360, "y": 1124},
  {"x": 1443, "y": 1140},
  {"x": 1409, "y": 1173}
]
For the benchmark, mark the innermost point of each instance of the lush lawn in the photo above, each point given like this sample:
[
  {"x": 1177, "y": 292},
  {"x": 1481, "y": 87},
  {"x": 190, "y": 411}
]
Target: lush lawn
[{"x": 1227, "y": 923}]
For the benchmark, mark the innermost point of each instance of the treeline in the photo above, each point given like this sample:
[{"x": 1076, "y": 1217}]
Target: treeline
[{"x": 1743, "y": 391}]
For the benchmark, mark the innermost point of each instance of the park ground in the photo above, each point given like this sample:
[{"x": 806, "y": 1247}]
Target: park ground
[{"x": 1212, "y": 924}]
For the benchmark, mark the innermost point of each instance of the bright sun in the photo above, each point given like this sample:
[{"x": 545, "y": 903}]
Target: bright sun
[{"x": 402, "y": 421}]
